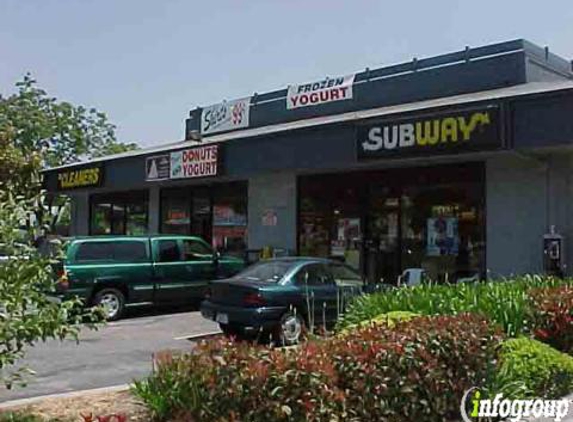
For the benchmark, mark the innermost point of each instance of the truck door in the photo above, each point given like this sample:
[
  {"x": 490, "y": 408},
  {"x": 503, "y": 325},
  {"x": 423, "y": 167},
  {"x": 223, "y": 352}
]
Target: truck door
[{"x": 181, "y": 271}]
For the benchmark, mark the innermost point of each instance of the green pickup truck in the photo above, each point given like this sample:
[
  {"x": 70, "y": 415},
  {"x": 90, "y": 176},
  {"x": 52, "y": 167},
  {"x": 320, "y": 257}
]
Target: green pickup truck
[{"x": 120, "y": 271}]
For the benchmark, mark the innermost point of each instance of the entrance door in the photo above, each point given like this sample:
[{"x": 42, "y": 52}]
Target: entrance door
[
  {"x": 382, "y": 243},
  {"x": 346, "y": 243}
]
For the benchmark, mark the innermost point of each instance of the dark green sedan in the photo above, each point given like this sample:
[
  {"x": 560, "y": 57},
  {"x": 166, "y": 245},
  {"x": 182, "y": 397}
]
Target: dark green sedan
[{"x": 283, "y": 297}]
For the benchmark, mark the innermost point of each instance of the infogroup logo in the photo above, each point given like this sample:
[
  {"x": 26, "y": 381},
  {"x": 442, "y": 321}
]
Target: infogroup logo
[{"x": 512, "y": 410}]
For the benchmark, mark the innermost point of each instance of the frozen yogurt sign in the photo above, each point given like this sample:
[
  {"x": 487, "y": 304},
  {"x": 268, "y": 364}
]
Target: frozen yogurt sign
[
  {"x": 195, "y": 162},
  {"x": 320, "y": 92}
]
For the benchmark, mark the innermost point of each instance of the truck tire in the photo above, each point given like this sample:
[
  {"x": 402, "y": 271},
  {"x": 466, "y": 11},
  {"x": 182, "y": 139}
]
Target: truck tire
[{"x": 113, "y": 302}]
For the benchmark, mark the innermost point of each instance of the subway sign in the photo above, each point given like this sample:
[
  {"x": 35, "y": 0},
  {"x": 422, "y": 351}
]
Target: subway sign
[
  {"x": 441, "y": 133},
  {"x": 86, "y": 177}
]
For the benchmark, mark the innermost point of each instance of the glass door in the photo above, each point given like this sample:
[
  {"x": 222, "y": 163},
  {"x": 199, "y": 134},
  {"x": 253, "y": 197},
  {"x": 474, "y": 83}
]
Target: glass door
[{"x": 382, "y": 244}]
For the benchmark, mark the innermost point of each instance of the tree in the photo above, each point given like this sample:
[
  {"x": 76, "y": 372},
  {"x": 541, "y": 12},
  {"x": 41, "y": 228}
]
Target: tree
[
  {"x": 28, "y": 313},
  {"x": 38, "y": 131}
]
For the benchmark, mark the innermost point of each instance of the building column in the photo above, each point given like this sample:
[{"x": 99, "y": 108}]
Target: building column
[
  {"x": 272, "y": 211},
  {"x": 154, "y": 210},
  {"x": 516, "y": 203},
  {"x": 80, "y": 214}
]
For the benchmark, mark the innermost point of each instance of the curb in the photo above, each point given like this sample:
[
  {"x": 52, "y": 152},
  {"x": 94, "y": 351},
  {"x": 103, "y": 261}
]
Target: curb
[{"x": 33, "y": 400}]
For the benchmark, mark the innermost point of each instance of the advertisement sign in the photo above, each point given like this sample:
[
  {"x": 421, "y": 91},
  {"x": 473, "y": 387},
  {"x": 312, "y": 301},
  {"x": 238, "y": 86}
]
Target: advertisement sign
[
  {"x": 87, "y": 177},
  {"x": 228, "y": 115},
  {"x": 157, "y": 168},
  {"x": 320, "y": 92},
  {"x": 451, "y": 132},
  {"x": 442, "y": 236},
  {"x": 269, "y": 218},
  {"x": 194, "y": 162}
]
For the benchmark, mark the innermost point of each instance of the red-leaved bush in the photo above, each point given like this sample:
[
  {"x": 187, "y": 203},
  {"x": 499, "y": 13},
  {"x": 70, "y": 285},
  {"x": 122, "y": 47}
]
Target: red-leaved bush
[
  {"x": 416, "y": 370},
  {"x": 552, "y": 316}
]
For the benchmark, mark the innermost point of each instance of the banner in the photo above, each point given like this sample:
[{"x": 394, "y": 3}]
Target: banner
[
  {"x": 228, "y": 115},
  {"x": 195, "y": 162},
  {"x": 157, "y": 168},
  {"x": 320, "y": 92},
  {"x": 450, "y": 132}
]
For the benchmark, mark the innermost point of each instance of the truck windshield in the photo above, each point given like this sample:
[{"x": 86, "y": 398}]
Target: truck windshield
[{"x": 270, "y": 272}]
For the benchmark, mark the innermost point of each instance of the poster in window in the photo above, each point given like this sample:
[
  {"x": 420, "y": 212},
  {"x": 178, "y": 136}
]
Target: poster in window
[{"x": 442, "y": 236}]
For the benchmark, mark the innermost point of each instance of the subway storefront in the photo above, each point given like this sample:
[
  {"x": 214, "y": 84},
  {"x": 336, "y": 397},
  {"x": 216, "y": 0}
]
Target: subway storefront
[{"x": 459, "y": 165}]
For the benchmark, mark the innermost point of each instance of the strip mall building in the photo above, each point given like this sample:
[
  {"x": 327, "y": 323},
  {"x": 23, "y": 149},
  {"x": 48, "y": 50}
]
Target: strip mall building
[{"x": 459, "y": 164}]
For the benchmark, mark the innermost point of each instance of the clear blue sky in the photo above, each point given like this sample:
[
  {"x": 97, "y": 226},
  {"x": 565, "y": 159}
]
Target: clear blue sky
[{"x": 147, "y": 63}]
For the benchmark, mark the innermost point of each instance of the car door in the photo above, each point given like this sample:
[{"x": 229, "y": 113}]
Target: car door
[{"x": 319, "y": 293}]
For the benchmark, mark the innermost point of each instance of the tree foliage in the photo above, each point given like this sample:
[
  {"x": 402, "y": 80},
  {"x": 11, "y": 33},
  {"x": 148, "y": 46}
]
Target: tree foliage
[
  {"x": 28, "y": 311},
  {"x": 39, "y": 131}
]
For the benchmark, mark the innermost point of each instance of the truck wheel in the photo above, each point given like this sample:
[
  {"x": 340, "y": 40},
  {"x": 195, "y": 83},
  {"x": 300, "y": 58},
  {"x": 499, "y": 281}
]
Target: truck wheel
[
  {"x": 291, "y": 329},
  {"x": 113, "y": 302}
]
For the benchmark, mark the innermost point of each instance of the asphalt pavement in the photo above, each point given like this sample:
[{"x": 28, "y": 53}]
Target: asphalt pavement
[{"x": 116, "y": 354}]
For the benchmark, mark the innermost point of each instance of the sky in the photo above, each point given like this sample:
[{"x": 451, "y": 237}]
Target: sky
[{"x": 146, "y": 63}]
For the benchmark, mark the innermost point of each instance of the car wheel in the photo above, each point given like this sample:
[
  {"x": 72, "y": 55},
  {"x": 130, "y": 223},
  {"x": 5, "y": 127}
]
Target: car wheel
[
  {"x": 112, "y": 301},
  {"x": 291, "y": 329}
]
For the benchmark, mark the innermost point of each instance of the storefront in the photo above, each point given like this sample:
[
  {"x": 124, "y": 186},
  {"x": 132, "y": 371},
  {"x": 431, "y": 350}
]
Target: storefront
[
  {"x": 458, "y": 165},
  {"x": 385, "y": 221}
]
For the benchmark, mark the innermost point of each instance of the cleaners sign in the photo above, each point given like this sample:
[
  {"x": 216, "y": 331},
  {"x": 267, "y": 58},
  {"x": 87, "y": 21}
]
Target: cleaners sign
[
  {"x": 87, "y": 177},
  {"x": 467, "y": 130},
  {"x": 320, "y": 92},
  {"x": 195, "y": 162}
]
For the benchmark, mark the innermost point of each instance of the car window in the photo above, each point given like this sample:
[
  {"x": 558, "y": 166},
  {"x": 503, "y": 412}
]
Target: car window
[
  {"x": 270, "y": 271},
  {"x": 130, "y": 251},
  {"x": 194, "y": 250},
  {"x": 168, "y": 251},
  {"x": 344, "y": 275},
  {"x": 95, "y": 251},
  {"x": 313, "y": 275}
]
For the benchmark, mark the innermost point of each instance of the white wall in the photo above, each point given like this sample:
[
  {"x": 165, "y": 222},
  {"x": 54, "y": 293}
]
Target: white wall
[{"x": 525, "y": 196}]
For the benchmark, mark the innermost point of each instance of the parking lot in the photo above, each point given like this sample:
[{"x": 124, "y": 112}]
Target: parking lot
[{"x": 116, "y": 354}]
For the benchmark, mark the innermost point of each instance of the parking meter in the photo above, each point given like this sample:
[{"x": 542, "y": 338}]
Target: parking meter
[{"x": 553, "y": 257}]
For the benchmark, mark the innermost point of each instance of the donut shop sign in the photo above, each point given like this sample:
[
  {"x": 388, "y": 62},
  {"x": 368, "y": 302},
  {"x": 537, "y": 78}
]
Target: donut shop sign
[
  {"x": 320, "y": 92},
  {"x": 194, "y": 162}
]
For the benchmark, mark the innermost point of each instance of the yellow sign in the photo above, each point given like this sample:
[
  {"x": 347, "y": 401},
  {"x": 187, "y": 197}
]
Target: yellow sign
[{"x": 81, "y": 178}]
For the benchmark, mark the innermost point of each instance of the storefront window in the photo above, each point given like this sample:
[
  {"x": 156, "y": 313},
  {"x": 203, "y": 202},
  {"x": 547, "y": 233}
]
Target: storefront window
[
  {"x": 230, "y": 220},
  {"x": 119, "y": 214},
  {"x": 175, "y": 210},
  {"x": 217, "y": 213},
  {"x": 385, "y": 222}
]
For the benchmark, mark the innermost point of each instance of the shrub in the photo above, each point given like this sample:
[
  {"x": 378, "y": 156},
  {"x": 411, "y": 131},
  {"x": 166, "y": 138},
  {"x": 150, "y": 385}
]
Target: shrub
[
  {"x": 545, "y": 371},
  {"x": 504, "y": 302},
  {"x": 390, "y": 319},
  {"x": 552, "y": 316},
  {"x": 416, "y": 370}
]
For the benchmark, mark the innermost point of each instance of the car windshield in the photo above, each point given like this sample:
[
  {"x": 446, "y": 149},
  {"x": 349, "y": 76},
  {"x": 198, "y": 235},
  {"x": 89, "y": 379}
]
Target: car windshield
[{"x": 270, "y": 272}]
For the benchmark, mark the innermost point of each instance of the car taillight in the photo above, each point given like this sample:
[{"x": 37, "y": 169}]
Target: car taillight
[
  {"x": 253, "y": 299},
  {"x": 63, "y": 280}
]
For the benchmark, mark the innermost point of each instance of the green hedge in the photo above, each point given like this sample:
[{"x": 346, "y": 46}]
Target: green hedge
[
  {"x": 544, "y": 371},
  {"x": 505, "y": 302},
  {"x": 415, "y": 370}
]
